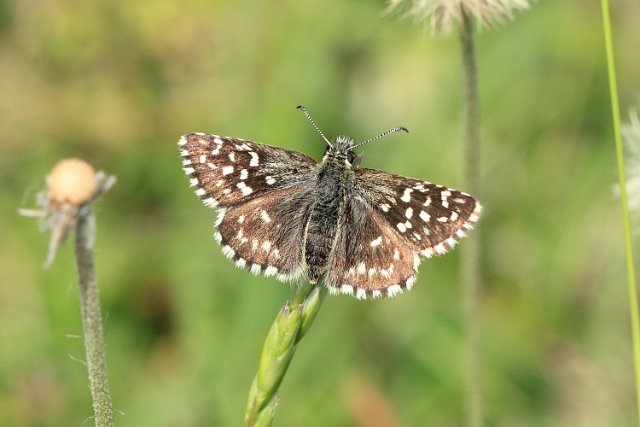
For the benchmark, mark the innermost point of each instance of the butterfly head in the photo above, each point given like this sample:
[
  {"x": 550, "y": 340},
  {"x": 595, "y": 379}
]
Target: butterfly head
[
  {"x": 342, "y": 147},
  {"x": 342, "y": 150}
]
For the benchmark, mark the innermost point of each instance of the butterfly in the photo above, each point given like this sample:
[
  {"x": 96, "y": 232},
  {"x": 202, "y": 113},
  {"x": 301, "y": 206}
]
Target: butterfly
[{"x": 281, "y": 213}]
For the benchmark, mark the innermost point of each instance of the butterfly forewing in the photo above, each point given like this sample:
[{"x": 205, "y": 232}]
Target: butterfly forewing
[{"x": 228, "y": 171}]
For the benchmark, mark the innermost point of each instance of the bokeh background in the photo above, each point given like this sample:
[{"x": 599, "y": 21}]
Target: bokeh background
[{"x": 116, "y": 83}]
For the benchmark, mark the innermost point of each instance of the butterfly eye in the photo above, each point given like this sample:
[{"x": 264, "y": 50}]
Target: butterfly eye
[{"x": 351, "y": 157}]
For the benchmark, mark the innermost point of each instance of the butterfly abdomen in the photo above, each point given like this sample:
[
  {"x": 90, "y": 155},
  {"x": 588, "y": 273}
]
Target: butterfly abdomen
[{"x": 323, "y": 221}]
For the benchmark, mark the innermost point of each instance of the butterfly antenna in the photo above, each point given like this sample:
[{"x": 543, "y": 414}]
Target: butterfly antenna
[
  {"x": 390, "y": 131},
  {"x": 306, "y": 113}
]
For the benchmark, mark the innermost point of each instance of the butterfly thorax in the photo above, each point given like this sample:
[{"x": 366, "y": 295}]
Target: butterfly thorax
[{"x": 322, "y": 226}]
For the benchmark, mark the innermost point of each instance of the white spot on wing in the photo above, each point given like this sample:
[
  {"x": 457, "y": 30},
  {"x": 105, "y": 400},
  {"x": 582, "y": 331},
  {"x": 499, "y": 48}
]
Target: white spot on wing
[
  {"x": 408, "y": 213},
  {"x": 401, "y": 227},
  {"x": 265, "y": 216},
  {"x": 244, "y": 174},
  {"x": 406, "y": 196},
  {"x": 376, "y": 242},
  {"x": 228, "y": 251},
  {"x": 428, "y": 252},
  {"x": 227, "y": 170},
  {"x": 270, "y": 180},
  {"x": 221, "y": 214},
  {"x": 254, "y": 158},
  {"x": 256, "y": 269},
  {"x": 346, "y": 289},
  {"x": 211, "y": 202},
  {"x": 245, "y": 190},
  {"x": 270, "y": 271},
  {"x": 394, "y": 290}
]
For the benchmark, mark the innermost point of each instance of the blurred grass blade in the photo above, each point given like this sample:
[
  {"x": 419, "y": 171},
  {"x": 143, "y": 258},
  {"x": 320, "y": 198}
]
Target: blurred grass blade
[
  {"x": 291, "y": 324},
  {"x": 631, "y": 275}
]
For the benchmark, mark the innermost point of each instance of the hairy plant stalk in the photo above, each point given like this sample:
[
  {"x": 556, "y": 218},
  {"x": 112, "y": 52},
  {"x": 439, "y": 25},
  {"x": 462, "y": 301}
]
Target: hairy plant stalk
[
  {"x": 631, "y": 275},
  {"x": 291, "y": 324},
  {"x": 470, "y": 255},
  {"x": 92, "y": 319}
]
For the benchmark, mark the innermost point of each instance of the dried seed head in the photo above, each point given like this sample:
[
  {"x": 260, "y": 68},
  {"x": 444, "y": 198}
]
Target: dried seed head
[
  {"x": 72, "y": 181},
  {"x": 443, "y": 15},
  {"x": 71, "y": 185}
]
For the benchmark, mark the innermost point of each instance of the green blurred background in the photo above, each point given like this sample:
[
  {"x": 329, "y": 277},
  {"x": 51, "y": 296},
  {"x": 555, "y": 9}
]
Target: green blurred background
[{"x": 116, "y": 83}]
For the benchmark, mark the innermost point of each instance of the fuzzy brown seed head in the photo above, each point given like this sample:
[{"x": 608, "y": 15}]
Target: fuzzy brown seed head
[{"x": 72, "y": 181}]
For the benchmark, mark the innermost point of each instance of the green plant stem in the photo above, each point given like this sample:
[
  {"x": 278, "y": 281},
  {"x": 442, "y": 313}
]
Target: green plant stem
[
  {"x": 92, "y": 320},
  {"x": 291, "y": 324},
  {"x": 470, "y": 256},
  {"x": 631, "y": 275}
]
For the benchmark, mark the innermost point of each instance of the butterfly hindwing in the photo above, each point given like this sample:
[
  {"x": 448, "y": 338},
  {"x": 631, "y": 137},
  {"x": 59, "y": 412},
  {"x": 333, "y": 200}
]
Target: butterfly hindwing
[
  {"x": 370, "y": 259},
  {"x": 263, "y": 235}
]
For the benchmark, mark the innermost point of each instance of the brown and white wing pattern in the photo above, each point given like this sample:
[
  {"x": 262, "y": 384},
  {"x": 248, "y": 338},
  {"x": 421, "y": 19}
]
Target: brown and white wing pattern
[
  {"x": 390, "y": 224},
  {"x": 260, "y": 194},
  {"x": 264, "y": 235},
  {"x": 228, "y": 171}
]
